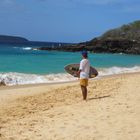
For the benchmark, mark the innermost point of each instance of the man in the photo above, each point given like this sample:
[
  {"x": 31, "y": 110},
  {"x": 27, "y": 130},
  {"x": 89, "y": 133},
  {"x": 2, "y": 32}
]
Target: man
[{"x": 84, "y": 73}]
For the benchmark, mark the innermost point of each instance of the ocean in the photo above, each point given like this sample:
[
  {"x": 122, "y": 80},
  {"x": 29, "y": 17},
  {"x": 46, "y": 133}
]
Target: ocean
[{"x": 19, "y": 64}]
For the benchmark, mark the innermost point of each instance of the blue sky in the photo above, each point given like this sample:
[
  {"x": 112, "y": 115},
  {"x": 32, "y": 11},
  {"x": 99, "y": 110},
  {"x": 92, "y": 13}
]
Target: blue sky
[{"x": 65, "y": 20}]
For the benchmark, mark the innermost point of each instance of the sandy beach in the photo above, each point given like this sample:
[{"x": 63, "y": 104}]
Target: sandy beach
[{"x": 57, "y": 111}]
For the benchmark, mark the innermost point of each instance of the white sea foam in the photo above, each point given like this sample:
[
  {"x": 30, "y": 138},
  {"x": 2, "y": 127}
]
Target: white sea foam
[
  {"x": 13, "y": 78},
  {"x": 26, "y": 48},
  {"x": 21, "y": 78},
  {"x": 118, "y": 70},
  {"x": 35, "y": 49}
]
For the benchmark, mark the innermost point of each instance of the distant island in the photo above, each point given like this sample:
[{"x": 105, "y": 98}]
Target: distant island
[
  {"x": 125, "y": 39},
  {"x": 16, "y": 40},
  {"x": 12, "y": 39}
]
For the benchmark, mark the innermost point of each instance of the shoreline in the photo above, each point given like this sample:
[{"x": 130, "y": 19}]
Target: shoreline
[
  {"x": 15, "y": 78},
  {"x": 64, "y": 82},
  {"x": 57, "y": 111}
]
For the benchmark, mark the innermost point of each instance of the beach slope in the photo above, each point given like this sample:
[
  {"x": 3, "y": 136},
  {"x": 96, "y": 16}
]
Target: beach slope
[{"x": 57, "y": 112}]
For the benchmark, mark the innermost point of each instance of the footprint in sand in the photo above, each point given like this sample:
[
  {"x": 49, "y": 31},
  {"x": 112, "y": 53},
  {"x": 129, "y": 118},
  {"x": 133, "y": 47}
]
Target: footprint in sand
[{"x": 51, "y": 116}]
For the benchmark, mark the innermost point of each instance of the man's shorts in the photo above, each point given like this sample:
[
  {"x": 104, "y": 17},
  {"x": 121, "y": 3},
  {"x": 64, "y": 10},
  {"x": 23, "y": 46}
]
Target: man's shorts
[{"x": 84, "y": 82}]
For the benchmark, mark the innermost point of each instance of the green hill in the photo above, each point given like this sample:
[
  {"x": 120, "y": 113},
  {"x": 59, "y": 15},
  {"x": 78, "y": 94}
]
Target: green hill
[{"x": 130, "y": 32}]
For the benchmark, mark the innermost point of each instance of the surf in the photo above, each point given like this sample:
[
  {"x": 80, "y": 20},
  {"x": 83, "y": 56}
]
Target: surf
[{"x": 15, "y": 78}]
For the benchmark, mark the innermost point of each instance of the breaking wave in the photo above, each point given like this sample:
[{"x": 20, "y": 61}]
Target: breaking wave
[
  {"x": 118, "y": 70},
  {"x": 26, "y": 48},
  {"x": 13, "y": 78}
]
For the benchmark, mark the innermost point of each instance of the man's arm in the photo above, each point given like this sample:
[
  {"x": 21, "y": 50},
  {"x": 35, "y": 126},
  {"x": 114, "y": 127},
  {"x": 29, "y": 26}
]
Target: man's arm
[
  {"x": 80, "y": 69},
  {"x": 78, "y": 73}
]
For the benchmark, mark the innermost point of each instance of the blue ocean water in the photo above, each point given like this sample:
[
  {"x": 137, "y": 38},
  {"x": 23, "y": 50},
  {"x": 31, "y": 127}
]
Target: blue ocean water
[{"x": 15, "y": 60}]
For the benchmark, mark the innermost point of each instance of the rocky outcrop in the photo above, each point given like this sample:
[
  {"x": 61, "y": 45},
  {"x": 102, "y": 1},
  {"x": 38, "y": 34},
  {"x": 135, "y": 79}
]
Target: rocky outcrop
[
  {"x": 101, "y": 46},
  {"x": 114, "y": 46},
  {"x": 2, "y": 83},
  {"x": 69, "y": 48}
]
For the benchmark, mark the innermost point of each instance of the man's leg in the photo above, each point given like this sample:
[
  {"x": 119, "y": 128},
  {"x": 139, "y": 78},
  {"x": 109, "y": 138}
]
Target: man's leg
[{"x": 84, "y": 92}]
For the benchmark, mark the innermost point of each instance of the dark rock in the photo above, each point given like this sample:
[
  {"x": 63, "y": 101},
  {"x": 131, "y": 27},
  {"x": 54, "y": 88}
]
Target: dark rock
[
  {"x": 102, "y": 46},
  {"x": 2, "y": 83}
]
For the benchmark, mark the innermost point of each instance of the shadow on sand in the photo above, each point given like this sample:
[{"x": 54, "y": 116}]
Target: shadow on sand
[{"x": 99, "y": 97}]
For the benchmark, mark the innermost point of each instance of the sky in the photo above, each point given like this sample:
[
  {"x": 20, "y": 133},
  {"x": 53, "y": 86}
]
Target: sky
[{"x": 70, "y": 21}]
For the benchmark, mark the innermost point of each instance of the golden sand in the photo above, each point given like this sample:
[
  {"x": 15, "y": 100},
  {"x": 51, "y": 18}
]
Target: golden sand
[{"x": 57, "y": 112}]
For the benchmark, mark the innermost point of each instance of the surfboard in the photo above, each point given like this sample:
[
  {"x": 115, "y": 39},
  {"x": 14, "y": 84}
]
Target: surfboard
[{"x": 74, "y": 68}]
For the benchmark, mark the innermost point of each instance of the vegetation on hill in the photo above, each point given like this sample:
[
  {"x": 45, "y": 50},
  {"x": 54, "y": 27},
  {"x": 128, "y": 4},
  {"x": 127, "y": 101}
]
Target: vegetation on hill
[{"x": 130, "y": 32}]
